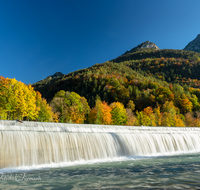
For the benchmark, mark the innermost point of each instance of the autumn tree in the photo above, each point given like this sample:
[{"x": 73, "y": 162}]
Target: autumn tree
[
  {"x": 18, "y": 100},
  {"x": 100, "y": 114},
  {"x": 146, "y": 117},
  {"x": 30, "y": 98},
  {"x": 132, "y": 120},
  {"x": 92, "y": 117},
  {"x": 195, "y": 102},
  {"x": 184, "y": 103},
  {"x": 118, "y": 112},
  {"x": 44, "y": 110},
  {"x": 171, "y": 116},
  {"x": 77, "y": 107},
  {"x": 59, "y": 107},
  {"x": 178, "y": 121},
  {"x": 158, "y": 116},
  {"x": 70, "y": 107},
  {"x": 6, "y": 103},
  {"x": 190, "y": 120},
  {"x": 131, "y": 105},
  {"x": 164, "y": 94}
]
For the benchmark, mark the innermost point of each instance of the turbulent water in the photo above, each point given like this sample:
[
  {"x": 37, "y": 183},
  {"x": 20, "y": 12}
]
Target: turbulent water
[
  {"x": 71, "y": 156},
  {"x": 168, "y": 172}
]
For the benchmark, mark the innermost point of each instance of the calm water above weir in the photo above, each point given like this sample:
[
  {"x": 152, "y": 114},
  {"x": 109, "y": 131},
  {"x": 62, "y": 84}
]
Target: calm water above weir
[{"x": 169, "y": 172}]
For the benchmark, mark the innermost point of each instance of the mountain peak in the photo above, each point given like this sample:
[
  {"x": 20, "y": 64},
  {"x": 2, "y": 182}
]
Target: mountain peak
[
  {"x": 143, "y": 46},
  {"x": 148, "y": 44},
  {"x": 57, "y": 74},
  {"x": 194, "y": 45}
]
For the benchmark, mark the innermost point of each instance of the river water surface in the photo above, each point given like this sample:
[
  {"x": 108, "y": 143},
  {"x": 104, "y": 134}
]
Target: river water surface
[{"x": 163, "y": 172}]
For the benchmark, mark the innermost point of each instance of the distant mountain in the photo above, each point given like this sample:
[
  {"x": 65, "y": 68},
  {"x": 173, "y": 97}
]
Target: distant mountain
[
  {"x": 143, "y": 46},
  {"x": 194, "y": 45}
]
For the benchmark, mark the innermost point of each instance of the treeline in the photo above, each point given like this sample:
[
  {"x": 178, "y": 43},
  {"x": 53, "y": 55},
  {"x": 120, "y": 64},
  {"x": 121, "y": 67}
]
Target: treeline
[
  {"x": 72, "y": 108},
  {"x": 168, "y": 105}
]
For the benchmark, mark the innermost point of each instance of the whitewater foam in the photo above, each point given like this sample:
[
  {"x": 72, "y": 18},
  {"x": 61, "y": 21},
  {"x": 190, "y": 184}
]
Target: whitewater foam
[{"x": 42, "y": 145}]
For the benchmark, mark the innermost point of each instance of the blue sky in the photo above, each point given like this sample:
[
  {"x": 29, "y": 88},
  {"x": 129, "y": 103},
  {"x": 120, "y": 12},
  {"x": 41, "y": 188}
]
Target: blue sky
[{"x": 41, "y": 37}]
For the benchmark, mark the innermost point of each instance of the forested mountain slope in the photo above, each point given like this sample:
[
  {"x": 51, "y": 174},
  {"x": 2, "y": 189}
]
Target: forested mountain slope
[
  {"x": 149, "y": 77},
  {"x": 170, "y": 65}
]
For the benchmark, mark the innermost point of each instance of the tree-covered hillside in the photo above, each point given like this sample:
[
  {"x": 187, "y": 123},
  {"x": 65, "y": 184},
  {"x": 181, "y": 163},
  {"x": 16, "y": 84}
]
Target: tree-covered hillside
[
  {"x": 152, "y": 79},
  {"x": 176, "y": 66},
  {"x": 109, "y": 81},
  {"x": 113, "y": 80}
]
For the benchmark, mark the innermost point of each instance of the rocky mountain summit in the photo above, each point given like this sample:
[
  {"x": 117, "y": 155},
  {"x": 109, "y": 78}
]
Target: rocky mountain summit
[
  {"x": 194, "y": 45},
  {"x": 143, "y": 46},
  {"x": 57, "y": 75}
]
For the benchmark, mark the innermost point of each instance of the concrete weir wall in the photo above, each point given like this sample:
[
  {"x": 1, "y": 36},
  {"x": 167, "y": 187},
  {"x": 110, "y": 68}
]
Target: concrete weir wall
[{"x": 35, "y": 143}]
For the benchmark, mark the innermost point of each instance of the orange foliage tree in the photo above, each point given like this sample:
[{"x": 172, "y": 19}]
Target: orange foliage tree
[{"x": 100, "y": 114}]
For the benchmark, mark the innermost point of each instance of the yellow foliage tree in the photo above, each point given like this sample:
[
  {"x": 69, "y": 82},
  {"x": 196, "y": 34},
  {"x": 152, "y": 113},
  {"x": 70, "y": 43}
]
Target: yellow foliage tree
[
  {"x": 118, "y": 112},
  {"x": 44, "y": 111},
  {"x": 167, "y": 119},
  {"x": 30, "y": 98},
  {"x": 178, "y": 121},
  {"x": 75, "y": 116},
  {"x": 146, "y": 117},
  {"x": 158, "y": 116},
  {"x": 21, "y": 103},
  {"x": 18, "y": 101}
]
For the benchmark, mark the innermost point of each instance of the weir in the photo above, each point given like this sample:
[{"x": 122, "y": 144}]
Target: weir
[{"x": 35, "y": 143}]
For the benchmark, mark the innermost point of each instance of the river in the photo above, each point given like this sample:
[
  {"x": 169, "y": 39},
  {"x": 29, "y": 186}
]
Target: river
[
  {"x": 163, "y": 172},
  {"x": 36, "y": 155}
]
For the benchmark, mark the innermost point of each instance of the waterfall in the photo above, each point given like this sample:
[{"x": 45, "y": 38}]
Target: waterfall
[{"x": 35, "y": 143}]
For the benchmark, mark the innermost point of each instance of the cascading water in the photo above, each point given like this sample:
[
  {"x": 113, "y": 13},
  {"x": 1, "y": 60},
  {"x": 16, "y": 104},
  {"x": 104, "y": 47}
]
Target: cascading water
[{"x": 35, "y": 143}]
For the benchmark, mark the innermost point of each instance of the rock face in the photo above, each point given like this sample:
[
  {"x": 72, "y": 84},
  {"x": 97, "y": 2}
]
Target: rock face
[
  {"x": 57, "y": 74},
  {"x": 148, "y": 44},
  {"x": 144, "y": 46},
  {"x": 194, "y": 45}
]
